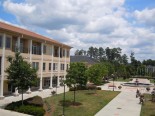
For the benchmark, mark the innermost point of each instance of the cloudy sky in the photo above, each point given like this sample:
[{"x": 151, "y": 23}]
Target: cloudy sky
[{"x": 128, "y": 24}]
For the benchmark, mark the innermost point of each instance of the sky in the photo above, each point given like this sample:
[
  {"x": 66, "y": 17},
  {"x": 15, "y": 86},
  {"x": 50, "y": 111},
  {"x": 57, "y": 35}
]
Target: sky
[{"x": 128, "y": 24}]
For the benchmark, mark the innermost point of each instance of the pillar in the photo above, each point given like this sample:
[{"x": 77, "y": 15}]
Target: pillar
[
  {"x": 41, "y": 67},
  {"x": 58, "y": 83},
  {"x": 51, "y": 69},
  {"x": 2, "y": 67},
  {"x": 18, "y": 44}
]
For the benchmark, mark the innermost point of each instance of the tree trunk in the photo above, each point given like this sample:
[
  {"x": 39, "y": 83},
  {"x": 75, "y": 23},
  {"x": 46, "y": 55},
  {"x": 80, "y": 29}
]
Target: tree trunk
[
  {"x": 22, "y": 96},
  {"x": 74, "y": 94}
]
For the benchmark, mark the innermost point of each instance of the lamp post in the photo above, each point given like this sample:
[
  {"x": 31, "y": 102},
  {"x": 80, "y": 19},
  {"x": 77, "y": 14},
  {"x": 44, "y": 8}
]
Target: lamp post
[
  {"x": 63, "y": 113},
  {"x": 113, "y": 80}
]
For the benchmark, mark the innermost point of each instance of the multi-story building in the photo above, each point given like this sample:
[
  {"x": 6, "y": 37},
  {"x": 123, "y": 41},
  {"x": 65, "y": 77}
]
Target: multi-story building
[{"x": 50, "y": 57}]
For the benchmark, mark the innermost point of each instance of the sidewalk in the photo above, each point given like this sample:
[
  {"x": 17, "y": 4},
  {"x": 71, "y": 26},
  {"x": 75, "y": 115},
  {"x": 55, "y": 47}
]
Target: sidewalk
[
  {"x": 45, "y": 93},
  {"x": 125, "y": 104}
]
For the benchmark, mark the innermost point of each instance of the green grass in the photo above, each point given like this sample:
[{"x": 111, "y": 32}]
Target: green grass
[
  {"x": 121, "y": 79},
  {"x": 90, "y": 103},
  {"x": 148, "y": 109}
]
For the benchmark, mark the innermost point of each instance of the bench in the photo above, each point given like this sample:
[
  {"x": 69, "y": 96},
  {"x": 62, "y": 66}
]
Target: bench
[{"x": 111, "y": 86}]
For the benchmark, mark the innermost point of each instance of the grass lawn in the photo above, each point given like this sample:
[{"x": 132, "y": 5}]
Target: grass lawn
[
  {"x": 148, "y": 109},
  {"x": 90, "y": 103}
]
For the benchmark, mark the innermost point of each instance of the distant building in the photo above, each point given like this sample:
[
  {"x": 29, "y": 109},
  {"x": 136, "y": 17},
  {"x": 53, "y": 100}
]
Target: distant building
[
  {"x": 50, "y": 57},
  {"x": 84, "y": 59}
]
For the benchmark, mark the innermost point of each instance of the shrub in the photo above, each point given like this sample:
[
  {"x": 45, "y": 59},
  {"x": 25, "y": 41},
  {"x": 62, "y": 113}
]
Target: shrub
[
  {"x": 148, "y": 88},
  {"x": 53, "y": 92},
  {"x": 32, "y": 106},
  {"x": 36, "y": 100},
  {"x": 91, "y": 87},
  {"x": 32, "y": 110},
  {"x": 98, "y": 88},
  {"x": 71, "y": 89},
  {"x": 119, "y": 87}
]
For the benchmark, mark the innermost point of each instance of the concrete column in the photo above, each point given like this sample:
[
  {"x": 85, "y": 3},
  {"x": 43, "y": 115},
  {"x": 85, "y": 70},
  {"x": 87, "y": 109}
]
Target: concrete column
[
  {"x": 18, "y": 44},
  {"x": 58, "y": 83},
  {"x": 30, "y": 48},
  {"x": 2, "y": 67},
  {"x": 51, "y": 69},
  {"x": 41, "y": 67},
  {"x": 16, "y": 92},
  {"x": 65, "y": 67}
]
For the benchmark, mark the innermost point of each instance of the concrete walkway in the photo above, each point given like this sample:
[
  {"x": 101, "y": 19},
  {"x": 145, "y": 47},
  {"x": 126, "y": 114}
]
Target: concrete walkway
[
  {"x": 125, "y": 104},
  {"x": 45, "y": 93}
]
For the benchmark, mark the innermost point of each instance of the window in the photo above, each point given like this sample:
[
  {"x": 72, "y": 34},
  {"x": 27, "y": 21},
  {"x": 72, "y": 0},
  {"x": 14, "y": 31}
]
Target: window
[
  {"x": 63, "y": 53},
  {"x": 1, "y": 40},
  {"x": 0, "y": 64},
  {"x": 67, "y": 53},
  {"x": 36, "y": 49},
  {"x": 67, "y": 67},
  {"x": 55, "y": 66},
  {"x": 44, "y": 51},
  {"x": 49, "y": 66},
  {"x": 35, "y": 65},
  {"x": 8, "y": 42},
  {"x": 60, "y": 52},
  {"x": 44, "y": 66},
  {"x": 62, "y": 66}
]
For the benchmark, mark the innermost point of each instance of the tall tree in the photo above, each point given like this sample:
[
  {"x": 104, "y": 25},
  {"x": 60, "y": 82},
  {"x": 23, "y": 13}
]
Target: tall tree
[
  {"x": 76, "y": 76},
  {"x": 20, "y": 73},
  {"x": 90, "y": 52},
  {"x": 124, "y": 59}
]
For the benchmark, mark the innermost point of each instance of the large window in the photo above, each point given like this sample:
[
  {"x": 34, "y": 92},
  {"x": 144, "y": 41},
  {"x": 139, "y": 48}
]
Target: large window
[
  {"x": 0, "y": 64},
  {"x": 1, "y": 40},
  {"x": 67, "y": 67},
  {"x": 36, "y": 49},
  {"x": 55, "y": 66},
  {"x": 44, "y": 51},
  {"x": 49, "y": 66},
  {"x": 44, "y": 66},
  {"x": 35, "y": 65},
  {"x": 62, "y": 66},
  {"x": 8, "y": 42}
]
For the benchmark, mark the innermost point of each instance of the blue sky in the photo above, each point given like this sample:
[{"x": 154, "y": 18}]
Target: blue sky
[{"x": 128, "y": 24}]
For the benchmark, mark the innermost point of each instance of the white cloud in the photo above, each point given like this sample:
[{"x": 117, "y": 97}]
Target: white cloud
[
  {"x": 85, "y": 23},
  {"x": 146, "y": 16}
]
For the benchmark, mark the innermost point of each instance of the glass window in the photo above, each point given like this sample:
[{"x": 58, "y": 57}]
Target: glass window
[
  {"x": 44, "y": 66},
  {"x": 1, "y": 40},
  {"x": 8, "y": 42},
  {"x": 55, "y": 66},
  {"x": 49, "y": 66},
  {"x": 67, "y": 67},
  {"x": 44, "y": 51},
  {"x": 62, "y": 66},
  {"x": 0, "y": 64},
  {"x": 35, "y": 65}
]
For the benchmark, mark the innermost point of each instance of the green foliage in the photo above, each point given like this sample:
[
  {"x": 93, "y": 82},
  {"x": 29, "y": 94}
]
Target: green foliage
[
  {"x": 96, "y": 73},
  {"x": 76, "y": 75},
  {"x": 20, "y": 73},
  {"x": 33, "y": 106}
]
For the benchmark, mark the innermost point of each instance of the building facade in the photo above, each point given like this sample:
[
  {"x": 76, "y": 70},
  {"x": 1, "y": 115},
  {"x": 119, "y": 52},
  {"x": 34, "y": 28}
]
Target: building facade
[{"x": 50, "y": 57}]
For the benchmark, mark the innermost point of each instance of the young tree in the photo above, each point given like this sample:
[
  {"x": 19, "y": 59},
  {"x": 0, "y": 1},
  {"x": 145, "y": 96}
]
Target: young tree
[
  {"x": 96, "y": 73},
  {"x": 20, "y": 73},
  {"x": 76, "y": 76}
]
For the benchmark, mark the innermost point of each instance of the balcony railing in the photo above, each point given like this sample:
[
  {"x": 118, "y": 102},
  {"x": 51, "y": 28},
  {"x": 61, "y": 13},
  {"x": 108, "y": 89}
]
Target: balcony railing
[{"x": 21, "y": 49}]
